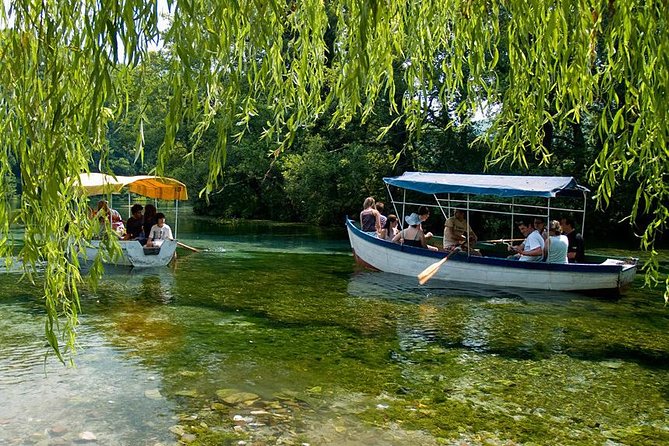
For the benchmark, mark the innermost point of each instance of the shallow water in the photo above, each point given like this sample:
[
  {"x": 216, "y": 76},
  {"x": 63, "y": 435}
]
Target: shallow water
[{"x": 272, "y": 336}]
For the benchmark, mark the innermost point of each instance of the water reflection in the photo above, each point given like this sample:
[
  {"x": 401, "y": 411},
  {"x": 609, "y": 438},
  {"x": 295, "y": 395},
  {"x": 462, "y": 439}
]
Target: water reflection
[
  {"x": 379, "y": 285},
  {"x": 150, "y": 285},
  {"x": 523, "y": 324}
]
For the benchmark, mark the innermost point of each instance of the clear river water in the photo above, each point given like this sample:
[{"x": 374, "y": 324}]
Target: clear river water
[{"x": 271, "y": 335}]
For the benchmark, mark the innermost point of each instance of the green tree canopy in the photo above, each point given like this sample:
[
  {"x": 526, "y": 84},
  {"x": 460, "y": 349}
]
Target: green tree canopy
[{"x": 66, "y": 66}]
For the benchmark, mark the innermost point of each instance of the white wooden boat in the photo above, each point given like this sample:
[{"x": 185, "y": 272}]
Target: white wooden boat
[
  {"x": 597, "y": 273},
  {"x": 132, "y": 252}
]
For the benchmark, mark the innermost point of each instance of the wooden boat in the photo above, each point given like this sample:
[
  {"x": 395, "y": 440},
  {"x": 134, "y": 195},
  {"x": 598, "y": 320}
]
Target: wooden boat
[
  {"x": 492, "y": 268},
  {"x": 135, "y": 255},
  {"x": 132, "y": 252}
]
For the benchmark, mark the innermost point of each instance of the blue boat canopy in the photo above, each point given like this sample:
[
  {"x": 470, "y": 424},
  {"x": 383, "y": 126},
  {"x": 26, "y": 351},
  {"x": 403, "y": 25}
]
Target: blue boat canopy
[{"x": 498, "y": 185}]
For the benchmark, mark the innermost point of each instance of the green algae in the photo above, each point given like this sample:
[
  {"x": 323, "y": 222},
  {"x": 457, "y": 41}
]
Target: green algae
[{"x": 322, "y": 344}]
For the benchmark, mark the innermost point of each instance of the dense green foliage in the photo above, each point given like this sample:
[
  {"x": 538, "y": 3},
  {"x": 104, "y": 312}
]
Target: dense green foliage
[{"x": 582, "y": 78}]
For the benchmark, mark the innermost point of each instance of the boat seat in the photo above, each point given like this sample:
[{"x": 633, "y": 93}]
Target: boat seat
[{"x": 151, "y": 250}]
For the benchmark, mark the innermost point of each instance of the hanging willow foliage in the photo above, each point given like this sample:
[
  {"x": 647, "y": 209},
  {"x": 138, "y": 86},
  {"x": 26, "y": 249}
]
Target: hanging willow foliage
[{"x": 65, "y": 63}]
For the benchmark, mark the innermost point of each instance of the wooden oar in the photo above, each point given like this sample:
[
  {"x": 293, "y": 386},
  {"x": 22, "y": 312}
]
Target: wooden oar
[
  {"x": 183, "y": 245},
  {"x": 504, "y": 240},
  {"x": 431, "y": 270}
]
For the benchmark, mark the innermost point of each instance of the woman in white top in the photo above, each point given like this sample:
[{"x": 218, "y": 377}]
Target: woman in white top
[
  {"x": 556, "y": 244},
  {"x": 390, "y": 229},
  {"x": 159, "y": 232}
]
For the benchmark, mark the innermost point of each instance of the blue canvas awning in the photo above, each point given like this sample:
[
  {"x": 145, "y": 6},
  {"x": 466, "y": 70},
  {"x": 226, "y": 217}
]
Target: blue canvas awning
[{"x": 498, "y": 185}]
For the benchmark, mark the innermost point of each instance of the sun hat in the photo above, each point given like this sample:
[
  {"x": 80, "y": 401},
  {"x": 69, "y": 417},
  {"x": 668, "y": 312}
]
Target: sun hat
[{"x": 412, "y": 219}]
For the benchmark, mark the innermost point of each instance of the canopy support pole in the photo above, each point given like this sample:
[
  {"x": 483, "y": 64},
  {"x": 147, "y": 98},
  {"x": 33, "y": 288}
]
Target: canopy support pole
[
  {"x": 129, "y": 213},
  {"x": 392, "y": 200},
  {"x": 585, "y": 203},
  {"x": 547, "y": 228},
  {"x": 176, "y": 217},
  {"x": 513, "y": 201},
  {"x": 404, "y": 204},
  {"x": 469, "y": 248}
]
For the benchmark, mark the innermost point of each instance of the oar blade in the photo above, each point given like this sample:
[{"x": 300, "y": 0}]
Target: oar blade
[{"x": 430, "y": 271}]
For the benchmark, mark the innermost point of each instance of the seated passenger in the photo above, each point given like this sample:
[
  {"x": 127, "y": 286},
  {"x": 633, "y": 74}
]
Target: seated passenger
[
  {"x": 424, "y": 214},
  {"x": 413, "y": 235},
  {"x": 379, "y": 206},
  {"x": 540, "y": 226},
  {"x": 150, "y": 212},
  {"x": 576, "y": 251},
  {"x": 159, "y": 232},
  {"x": 135, "y": 225},
  {"x": 370, "y": 218},
  {"x": 390, "y": 229},
  {"x": 532, "y": 249},
  {"x": 456, "y": 230},
  {"x": 556, "y": 244},
  {"x": 112, "y": 215}
]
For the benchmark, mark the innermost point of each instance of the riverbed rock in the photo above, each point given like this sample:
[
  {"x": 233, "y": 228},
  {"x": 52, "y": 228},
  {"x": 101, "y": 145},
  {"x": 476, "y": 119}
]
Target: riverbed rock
[
  {"x": 153, "y": 394},
  {"x": 178, "y": 430},
  {"x": 241, "y": 397},
  {"x": 188, "y": 438},
  {"x": 222, "y": 393},
  {"x": 188, "y": 393},
  {"x": 58, "y": 430},
  {"x": 86, "y": 437}
]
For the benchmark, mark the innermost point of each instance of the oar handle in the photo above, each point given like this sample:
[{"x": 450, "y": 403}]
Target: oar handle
[{"x": 183, "y": 245}]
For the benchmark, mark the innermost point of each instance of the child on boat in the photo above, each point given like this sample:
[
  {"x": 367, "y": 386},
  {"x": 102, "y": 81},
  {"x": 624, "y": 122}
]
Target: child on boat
[{"x": 159, "y": 232}]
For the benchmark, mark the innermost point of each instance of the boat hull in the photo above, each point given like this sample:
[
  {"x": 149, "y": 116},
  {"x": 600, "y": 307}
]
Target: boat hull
[
  {"x": 489, "y": 271},
  {"x": 132, "y": 254}
]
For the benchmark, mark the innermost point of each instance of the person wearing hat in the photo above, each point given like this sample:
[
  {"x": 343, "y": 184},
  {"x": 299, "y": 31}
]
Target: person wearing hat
[{"x": 413, "y": 235}]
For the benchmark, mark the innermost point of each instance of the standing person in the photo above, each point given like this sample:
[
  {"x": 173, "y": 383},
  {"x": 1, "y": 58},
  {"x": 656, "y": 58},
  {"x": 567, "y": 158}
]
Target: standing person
[
  {"x": 532, "y": 249},
  {"x": 457, "y": 232},
  {"x": 159, "y": 232},
  {"x": 390, "y": 229},
  {"x": 576, "y": 250},
  {"x": 370, "y": 218},
  {"x": 149, "y": 218},
  {"x": 135, "y": 225},
  {"x": 556, "y": 244}
]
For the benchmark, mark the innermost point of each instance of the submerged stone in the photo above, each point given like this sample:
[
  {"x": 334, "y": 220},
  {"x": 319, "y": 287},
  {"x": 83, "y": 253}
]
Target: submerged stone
[
  {"x": 153, "y": 394},
  {"x": 87, "y": 436},
  {"x": 58, "y": 430},
  {"x": 188, "y": 393},
  {"x": 222, "y": 393},
  {"x": 241, "y": 397},
  {"x": 188, "y": 438}
]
